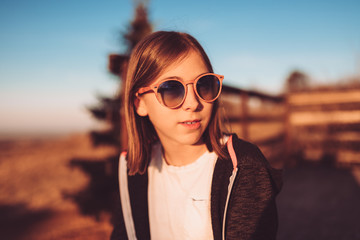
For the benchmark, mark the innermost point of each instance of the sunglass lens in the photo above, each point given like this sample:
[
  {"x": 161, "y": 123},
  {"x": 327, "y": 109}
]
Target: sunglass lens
[
  {"x": 208, "y": 87},
  {"x": 171, "y": 93}
]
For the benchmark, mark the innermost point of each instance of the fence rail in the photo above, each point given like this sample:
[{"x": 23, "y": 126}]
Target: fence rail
[
  {"x": 316, "y": 124},
  {"x": 325, "y": 125},
  {"x": 251, "y": 115}
]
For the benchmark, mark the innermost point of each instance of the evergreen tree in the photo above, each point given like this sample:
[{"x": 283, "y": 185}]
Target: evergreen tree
[
  {"x": 297, "y": 81},
  {"x": 110, "y": 109}
]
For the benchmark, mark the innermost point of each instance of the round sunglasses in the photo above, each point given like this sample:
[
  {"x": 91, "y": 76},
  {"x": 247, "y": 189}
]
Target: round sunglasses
[{"x": 172, "y": 92}]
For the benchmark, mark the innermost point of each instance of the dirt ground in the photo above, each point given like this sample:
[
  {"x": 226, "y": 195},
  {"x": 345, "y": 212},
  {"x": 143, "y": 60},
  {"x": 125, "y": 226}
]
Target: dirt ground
[
  {"x": 40, "y": 184},
  {"x": 61, "y": 189},
  {"x": 319, "y": 201}
]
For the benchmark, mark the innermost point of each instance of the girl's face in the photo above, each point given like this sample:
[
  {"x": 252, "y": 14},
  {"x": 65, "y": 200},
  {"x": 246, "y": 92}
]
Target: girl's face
[{"x": 186, "y": 124}]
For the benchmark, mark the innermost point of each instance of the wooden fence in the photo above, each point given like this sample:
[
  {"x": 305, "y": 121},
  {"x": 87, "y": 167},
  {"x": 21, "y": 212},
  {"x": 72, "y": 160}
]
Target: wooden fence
[
  {"x": 317, "y": 125},
  {"x": 325, "y": 125},
  {"x": 258, "y": 118}
]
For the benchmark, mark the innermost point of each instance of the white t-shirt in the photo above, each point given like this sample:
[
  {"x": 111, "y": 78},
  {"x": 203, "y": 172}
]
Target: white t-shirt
[{"x": 179, "y": 197}]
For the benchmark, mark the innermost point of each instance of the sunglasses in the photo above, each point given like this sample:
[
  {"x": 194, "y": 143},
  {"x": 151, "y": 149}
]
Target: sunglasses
[{"x": 172, "y": 92}]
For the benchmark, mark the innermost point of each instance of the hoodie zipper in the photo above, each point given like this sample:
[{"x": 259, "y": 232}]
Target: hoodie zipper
[{"x": 231, "y": 183}]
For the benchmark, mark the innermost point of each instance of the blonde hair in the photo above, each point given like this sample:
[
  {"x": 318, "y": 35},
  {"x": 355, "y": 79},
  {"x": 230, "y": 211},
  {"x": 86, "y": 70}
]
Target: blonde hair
[{"x": 148, "y": 60}]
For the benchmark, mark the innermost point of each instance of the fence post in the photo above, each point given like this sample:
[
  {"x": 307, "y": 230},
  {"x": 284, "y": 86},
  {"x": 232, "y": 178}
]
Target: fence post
[
  {"x": 288, "y": 134},
  {"x": 245, "y": 113}
]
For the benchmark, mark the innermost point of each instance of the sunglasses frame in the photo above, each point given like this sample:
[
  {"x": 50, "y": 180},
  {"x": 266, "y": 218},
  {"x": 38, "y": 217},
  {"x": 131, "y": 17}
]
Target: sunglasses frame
[{"x": 154, "y": 88}]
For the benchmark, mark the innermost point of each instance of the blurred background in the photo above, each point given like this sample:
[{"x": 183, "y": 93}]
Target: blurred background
[{"x": 292, "y": 86}]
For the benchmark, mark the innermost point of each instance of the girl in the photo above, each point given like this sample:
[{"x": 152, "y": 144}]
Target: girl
[{"x": 182, "y": 177}]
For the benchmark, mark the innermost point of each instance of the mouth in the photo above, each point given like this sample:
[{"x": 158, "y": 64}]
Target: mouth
[{"x": 192, "y": 124}]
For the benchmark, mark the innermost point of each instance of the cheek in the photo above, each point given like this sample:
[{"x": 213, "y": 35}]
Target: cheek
[
  {"x": 159, "y": 116},
  {"x": 207, "y": 112},
  {"x": 208, "y": 107},
  {"x": 157, "y": 113},
  {"x": 151, "y": 103}
]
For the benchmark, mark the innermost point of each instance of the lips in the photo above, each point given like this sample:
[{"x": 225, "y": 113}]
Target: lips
[{"x": 191, "y": 124}]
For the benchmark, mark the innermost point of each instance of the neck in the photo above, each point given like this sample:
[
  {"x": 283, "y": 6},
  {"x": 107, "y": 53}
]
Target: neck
[{"x": 183, "y": 155}]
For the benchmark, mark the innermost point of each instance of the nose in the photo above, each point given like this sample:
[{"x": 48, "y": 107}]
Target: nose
[{"x": 191, "y": 102}]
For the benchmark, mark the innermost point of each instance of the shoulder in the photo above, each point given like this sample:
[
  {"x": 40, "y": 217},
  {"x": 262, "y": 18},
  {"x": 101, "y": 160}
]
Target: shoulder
[
  {"x": 252, "y": 162},
  {"x": 248, "y": 153}
]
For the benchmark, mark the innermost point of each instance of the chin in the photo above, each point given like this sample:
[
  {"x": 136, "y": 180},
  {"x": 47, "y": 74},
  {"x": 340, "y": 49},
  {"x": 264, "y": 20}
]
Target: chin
[{"x": 191, "y": 140}]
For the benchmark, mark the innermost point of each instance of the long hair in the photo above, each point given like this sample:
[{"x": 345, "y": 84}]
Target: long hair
[{"x": 148, "y": 60}]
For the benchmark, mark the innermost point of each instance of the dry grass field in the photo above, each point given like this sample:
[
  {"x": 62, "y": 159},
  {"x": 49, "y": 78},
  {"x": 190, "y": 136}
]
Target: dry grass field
[{"x": 36, "y": 176}]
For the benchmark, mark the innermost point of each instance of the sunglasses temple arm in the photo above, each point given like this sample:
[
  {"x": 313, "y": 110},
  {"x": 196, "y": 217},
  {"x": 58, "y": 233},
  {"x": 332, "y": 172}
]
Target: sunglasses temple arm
[{"x": 143, "y": 90}]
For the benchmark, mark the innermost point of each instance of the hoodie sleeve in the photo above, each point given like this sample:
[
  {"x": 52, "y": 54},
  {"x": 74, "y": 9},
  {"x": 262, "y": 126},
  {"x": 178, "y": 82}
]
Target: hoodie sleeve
[{"x": 252, "y": 212}]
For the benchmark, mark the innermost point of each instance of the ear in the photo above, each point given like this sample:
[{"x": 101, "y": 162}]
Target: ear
[{"x": 140, "y": 106}]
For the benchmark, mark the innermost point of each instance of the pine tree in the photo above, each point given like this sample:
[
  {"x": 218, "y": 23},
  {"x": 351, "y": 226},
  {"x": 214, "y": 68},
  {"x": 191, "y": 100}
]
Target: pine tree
[
  {"x": 297, "y": 81},
  {"x": 110, "y": 109}
]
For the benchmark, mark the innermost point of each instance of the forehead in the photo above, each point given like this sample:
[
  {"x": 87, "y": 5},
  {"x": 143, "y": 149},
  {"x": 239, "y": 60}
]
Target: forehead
[{"x": 188, "y": 67}]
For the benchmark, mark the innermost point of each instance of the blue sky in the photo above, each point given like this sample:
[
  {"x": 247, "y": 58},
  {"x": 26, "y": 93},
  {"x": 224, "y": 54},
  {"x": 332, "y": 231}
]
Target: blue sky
[{"x": 53, "y": 54}]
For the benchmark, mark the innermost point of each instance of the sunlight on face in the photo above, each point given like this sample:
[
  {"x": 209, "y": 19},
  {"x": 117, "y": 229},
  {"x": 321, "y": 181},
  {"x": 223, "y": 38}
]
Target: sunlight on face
[{"x": 186, "y": 124}]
